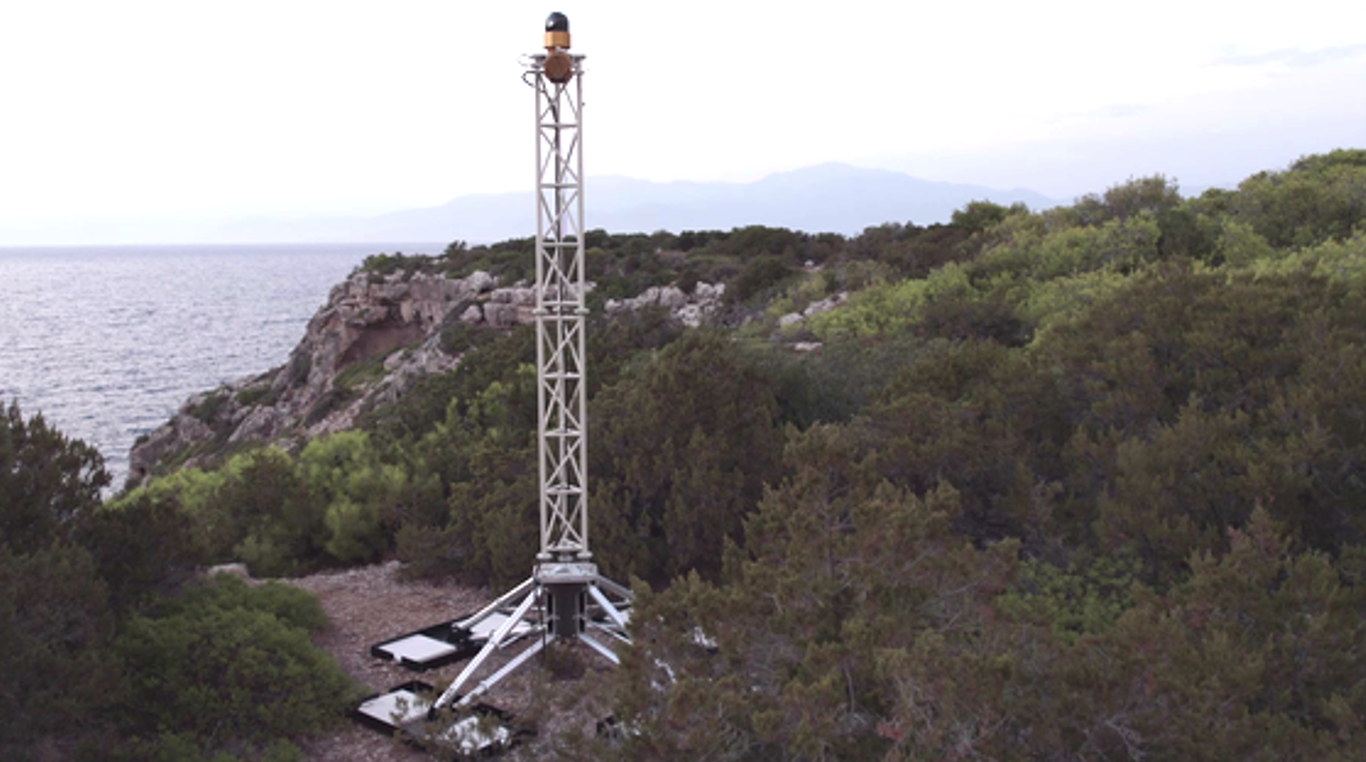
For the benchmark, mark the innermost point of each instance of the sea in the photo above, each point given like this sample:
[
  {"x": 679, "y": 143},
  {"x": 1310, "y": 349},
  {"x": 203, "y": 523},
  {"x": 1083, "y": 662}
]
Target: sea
[{"x": 107, "y": 342}]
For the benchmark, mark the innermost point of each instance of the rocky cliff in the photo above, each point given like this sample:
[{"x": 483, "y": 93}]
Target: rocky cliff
[{"x": 368, "y": 345}]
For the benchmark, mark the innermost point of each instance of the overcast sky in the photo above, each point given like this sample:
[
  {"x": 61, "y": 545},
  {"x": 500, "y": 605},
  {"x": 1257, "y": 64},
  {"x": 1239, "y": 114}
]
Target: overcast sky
[{"x": 144, "y": 111}]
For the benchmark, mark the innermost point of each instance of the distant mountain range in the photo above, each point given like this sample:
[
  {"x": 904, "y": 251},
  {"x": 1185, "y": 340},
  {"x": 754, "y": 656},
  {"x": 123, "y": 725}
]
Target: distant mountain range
[{"x": 825, "y": 198}]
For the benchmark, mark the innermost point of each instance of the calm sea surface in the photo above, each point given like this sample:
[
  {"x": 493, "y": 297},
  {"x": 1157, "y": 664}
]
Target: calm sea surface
[{"x": 107, "y": 342}]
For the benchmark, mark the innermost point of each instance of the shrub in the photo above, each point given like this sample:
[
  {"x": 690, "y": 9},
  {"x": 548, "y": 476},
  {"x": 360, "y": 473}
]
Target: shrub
[
  {"x": 47, "y": 481},
  {"x": 458, "y": 337},
  {"x": 760, "y": 274},
  {"x": 55, "y": 624},
  {"x": 279, "y": 529},
  {"x": 289, "y": 604},
  {"x": 354, "y": 491},
  {"x": 977, "y": 216},
  {"x": 210, "y": 407},
  {"x": 683, "y": 449},
  {"x": 331, "y": 400},
  {"x": 236, "y": 666},
  {"x": 362, "y": 374},
  {"x": 142, "y": 546},
  {"x": 263, "y": 395}
]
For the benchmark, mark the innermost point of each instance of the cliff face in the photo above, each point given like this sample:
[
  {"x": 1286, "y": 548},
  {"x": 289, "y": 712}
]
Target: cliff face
[{"x": 369, "y": 344}]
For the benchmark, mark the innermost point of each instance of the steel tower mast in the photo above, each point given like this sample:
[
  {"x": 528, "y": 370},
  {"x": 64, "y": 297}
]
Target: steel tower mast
[
  {"x": 560, "y": 306},
  {"x": 565, "y": 599}
]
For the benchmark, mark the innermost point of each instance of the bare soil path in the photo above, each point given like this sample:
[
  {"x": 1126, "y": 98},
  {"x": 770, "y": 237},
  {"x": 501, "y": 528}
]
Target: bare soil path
[{"x": 371, "y": 604}]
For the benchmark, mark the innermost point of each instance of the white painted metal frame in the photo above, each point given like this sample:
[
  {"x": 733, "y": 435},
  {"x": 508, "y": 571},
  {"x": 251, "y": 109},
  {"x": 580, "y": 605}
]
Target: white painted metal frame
[
  {"x": 560, "y": 315},
  {"x": 563, "y": 559}
]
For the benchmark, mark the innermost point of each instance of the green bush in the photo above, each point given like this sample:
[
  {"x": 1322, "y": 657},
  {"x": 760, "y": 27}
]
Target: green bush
[
  {"x": 289, "y": 604},
  {"x": 458, "y": 337},
  {"x": 208, "y": 410},
  {"x": 332, "y": 400},
  {"x": 759, "y": 275},
  {"x": 143, "y": 546},
  {"x": 263, "y": 395},
  {"x": 1074, "y": 601},
  {"x": 359, "y": 375},
  {"x": 977, "y": 216},
  {"x": 227, "y": 665},
  {"x": 682, "y": 450},
  {"x": 383, "y": 264},
  {"x": 1319, "y": 198},
  {"x": 280, "y": 530},
  {"x": 48, "y": 482},
  {"x": 356, "y": 492},
  {"x": 198, "y": 495},
  {"x": 59, "y": 678}
]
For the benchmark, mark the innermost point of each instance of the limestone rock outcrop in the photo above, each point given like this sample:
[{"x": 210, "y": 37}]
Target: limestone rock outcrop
[
  {"x": 691, "y": 310},
  {"x": 815, "y": 308},
  {"x": 375, "y": 337}
]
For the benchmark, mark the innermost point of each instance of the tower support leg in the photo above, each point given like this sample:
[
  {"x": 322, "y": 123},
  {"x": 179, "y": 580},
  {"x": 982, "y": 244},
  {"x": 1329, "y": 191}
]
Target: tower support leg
[{"x": 565, "y": 602}]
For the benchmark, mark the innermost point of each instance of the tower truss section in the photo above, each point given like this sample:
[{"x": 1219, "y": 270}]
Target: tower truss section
[{"x": 561, "y": 311}]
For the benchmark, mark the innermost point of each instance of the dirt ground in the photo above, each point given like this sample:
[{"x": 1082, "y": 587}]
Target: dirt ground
[{"x": 368, "y": 605}]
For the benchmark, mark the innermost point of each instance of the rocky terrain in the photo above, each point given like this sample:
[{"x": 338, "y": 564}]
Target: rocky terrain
[{"x": 368, "y": 345}]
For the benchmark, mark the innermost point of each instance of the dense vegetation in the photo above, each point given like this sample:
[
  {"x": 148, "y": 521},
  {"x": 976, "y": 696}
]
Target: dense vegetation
[
  {"x": 1085, "y": 483},
  {"x": 109, "y": 646},
  {"x": 1111, "y": 508}
]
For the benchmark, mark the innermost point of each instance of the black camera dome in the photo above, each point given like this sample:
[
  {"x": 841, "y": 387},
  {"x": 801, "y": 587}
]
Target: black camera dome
[{"x": 557, "y": 22}]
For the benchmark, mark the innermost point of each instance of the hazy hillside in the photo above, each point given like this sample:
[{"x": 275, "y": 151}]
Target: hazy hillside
[{"x": 826, "y": 198}]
